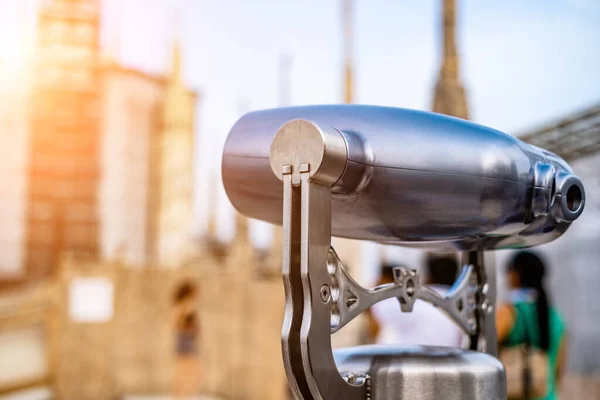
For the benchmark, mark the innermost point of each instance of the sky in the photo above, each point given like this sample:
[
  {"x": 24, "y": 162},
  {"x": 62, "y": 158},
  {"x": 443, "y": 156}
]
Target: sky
[{"x": 523, "y": 63}]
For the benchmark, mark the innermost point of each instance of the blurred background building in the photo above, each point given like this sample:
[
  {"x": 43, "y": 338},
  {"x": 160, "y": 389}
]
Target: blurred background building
[
  {"x": 64, "y": 137},
  {"x": 97, "y": 231},
  {"x": 107, "y": 160},
  {"x": 110, "y": 199}
]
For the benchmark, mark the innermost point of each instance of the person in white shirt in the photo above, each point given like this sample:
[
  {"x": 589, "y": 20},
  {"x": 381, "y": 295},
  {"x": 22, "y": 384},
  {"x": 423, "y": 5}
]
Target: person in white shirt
[{"x": 425, "y": 325}]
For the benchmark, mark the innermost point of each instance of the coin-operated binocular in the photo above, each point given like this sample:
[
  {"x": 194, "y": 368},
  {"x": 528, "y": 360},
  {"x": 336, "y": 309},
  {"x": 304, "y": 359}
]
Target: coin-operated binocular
[{"x": 400, "y": 177}]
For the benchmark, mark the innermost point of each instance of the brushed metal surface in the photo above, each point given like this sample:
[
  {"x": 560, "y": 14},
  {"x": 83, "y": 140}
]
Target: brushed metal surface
[
  {"x": 425, "y": 373},
  {"x": 324, "y": 152},
  {"x": 414, "y": 178}
]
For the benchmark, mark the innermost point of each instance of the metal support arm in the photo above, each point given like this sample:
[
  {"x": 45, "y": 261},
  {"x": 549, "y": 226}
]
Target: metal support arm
[{"x": 350, "y": 299}]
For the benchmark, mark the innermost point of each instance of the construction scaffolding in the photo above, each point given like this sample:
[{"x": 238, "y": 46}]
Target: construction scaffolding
[{"x": 63, "y": 172}]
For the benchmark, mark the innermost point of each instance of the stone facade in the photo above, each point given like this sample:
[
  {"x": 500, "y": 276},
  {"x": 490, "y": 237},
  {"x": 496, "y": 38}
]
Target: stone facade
[
  {"x": 241, "y": 312},
  {"x": 175, "y": 176},
  {"x": 132, "y": 105}
]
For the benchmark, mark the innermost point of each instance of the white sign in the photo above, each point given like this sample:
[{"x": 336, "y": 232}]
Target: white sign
[{"x": 91, "y": 300}]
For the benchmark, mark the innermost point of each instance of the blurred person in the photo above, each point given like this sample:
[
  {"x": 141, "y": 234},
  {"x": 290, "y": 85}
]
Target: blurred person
[
  {"x": 529, "y": 317},
  {"x": 425, "y": 325},
  {"x": 188, "y": 366}
]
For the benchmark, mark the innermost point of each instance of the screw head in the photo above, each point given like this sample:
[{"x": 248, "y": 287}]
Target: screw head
[
  {"x": 325, "y": 293},
  {"x": 410, "y": 287},
  {"x": 485, "y": 305},
  {"x": 485, "y": 289}
]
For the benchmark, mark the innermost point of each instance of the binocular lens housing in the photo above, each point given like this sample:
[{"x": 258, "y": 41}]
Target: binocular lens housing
[{"x": 405, "y": 177}]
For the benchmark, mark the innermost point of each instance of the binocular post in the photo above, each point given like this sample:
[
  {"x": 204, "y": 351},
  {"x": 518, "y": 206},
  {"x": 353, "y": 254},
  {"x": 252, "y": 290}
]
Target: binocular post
[
  {"x": 306, "y": 341},
  {"x": 321, "y": 297},
  {"x": 485, "y": 338},
  {"x": 307, "y": 161}
]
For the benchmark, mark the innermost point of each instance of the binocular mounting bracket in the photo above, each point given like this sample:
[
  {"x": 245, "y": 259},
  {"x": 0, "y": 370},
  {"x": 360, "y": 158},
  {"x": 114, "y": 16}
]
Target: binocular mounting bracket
[{"x": 321, "y": 297}]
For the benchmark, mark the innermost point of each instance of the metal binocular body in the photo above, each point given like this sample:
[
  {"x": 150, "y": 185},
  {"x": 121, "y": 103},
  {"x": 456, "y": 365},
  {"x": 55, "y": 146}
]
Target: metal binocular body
[{"x": 401, "y": 177}]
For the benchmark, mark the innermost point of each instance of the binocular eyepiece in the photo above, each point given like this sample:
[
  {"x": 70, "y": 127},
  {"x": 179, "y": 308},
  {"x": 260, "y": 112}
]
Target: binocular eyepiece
[
  {"x": 568, "y": 199},
  {"x": 406, "y": 177}
]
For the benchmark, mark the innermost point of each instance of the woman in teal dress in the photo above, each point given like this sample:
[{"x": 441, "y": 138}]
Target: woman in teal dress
[{"x": 530, "y": 315}]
